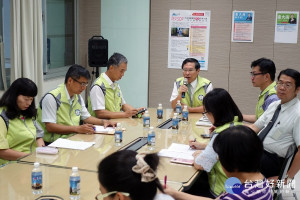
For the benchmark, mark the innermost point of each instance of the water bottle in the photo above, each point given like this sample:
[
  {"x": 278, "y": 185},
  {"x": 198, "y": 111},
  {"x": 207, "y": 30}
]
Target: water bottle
[
  {"x": 146, "y": 119},
  {"x": 118, "y": 135},
  {"x": 151, "y": 139},
  {"x": 175, "y": 121},
  {"x": 75, "y": 184},
  {"x": 160, "y": 111},
  {"x": 178, "y": 107},
  {"x": 185, "y": 114},
  {"x": 36, "y": 179}
]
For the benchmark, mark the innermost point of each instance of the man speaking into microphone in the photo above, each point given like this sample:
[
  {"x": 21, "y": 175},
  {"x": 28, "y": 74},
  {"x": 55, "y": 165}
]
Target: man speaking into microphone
[{"x": 191, "y": 88}]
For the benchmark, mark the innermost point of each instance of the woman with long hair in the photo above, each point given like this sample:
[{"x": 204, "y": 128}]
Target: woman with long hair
[
  {"x": 223, "y": 113},
  {"x": 19, "y": 132}
]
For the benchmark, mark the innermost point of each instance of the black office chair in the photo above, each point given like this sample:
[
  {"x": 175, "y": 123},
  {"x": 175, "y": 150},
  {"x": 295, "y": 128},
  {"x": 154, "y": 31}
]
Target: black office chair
[{"x": 277, "y": 194}]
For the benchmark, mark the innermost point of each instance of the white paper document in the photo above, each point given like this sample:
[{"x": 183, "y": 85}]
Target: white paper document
[
  {"x": 178, "y": 151},
  {"x": 203, "y": 121},
  {"x": 107, "y": 130},
  {"x": 69, "y": 144}
]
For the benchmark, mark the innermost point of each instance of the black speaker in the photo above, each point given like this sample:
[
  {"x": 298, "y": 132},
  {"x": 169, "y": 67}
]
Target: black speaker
[{"x": 98, "y": 51}]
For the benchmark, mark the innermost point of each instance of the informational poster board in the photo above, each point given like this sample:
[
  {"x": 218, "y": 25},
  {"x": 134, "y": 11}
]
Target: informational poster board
[
  {"x": 188, "y": 37},
  {"x": 286, "y": 27},
  {"x": 242, "y": 26}
]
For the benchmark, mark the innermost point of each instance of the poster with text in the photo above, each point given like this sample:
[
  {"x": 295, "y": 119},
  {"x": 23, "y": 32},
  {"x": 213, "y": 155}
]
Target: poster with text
[
  {"x": 286, "y": 27},
  {"x": 188, "y": 37},
  {"x": 242, "y": 26}
]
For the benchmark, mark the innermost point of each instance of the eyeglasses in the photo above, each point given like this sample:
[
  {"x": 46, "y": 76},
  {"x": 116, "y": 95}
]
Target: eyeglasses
[
  {"x": 100, "y": 196},
  {"x": 83, "y": 84},
  {"x": 188, "y": 70},
  {"x": 252, "y": 74},
  {"x": 287, "y": 85}
]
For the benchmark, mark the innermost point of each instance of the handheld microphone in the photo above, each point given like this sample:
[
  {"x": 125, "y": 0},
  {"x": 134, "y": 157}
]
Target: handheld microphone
[{"x": 185, "y": 82}]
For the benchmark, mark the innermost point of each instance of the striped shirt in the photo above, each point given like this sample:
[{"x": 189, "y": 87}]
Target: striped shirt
[{"x": 253, "y": 190}]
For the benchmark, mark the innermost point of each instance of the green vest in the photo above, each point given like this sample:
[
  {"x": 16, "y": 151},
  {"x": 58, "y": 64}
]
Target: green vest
[
  {"x": 269, "y": 91},
  {"x": 217, "y": 177},
  {"x": 113, "y": 99},
  {"x": 199, "y": 93},
  {"x": 66, "y": 114},
  {"x": 21, "y": 134}
]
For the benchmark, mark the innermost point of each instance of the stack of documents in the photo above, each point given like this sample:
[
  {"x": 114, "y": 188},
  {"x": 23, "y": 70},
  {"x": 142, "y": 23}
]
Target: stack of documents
[
  {"x": 178, "y": 151},
  {"x": 70, "y": 144},
  {"x": 203, "y": 121}
]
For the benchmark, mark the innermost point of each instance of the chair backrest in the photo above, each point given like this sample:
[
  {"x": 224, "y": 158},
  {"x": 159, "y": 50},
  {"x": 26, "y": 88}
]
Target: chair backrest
[{"x": 292, "y": 150}]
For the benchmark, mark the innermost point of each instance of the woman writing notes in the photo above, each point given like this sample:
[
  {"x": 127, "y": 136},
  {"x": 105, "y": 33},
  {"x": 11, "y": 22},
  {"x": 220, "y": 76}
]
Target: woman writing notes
[
  {"x": 126, "y": 175},
  {"x": 223, "y": 113},
  {"x": 19, "y": 132},
  {"x": 239, "y": 150}
]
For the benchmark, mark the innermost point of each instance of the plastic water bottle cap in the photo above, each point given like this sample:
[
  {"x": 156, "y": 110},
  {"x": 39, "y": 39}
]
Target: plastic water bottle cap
[
  {"x": 160, "y": 105},
  {"x": 74, "y": 169},
  {"x": 151, "y": 128},
  {"x": 36, "y": 164},
  {"x": 178, "y": 101},
  {"x": 118, "y": 124},
  {"x": 146, "y": 111},
  {"x": 175, "y": 114},
  {"x": 185, "y": 106}
]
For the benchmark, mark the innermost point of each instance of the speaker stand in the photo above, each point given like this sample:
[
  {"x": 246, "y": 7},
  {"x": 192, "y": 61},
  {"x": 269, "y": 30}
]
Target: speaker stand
[{"x": 97, "y": 72}]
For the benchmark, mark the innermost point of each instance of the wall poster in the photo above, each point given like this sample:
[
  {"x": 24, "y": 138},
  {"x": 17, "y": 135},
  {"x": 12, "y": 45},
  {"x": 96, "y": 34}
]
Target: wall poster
[
  {"x": 286, "y": 27},
  {"x": 242, "y": 26},
  {"x": 188, "y": 37}
]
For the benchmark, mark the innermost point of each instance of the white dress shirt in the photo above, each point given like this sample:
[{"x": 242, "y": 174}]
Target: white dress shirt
[
  {"x": 50, "y": 107},
  {"x": 286, "y": 129}
]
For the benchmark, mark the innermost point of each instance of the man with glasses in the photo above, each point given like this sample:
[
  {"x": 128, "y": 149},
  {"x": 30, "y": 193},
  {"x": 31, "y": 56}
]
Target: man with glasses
[
  {"x": 263, "y": 75},
  {"x": 61, "y": 109},
  {"x": 279, "y": 126},
  {"x": 106, "y": 99},
  {"x": 194, "y": 90}
]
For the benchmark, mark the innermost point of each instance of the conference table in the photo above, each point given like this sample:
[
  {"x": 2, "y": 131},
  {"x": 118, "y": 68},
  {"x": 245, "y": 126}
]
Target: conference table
[{"x": 179, "y": 176}]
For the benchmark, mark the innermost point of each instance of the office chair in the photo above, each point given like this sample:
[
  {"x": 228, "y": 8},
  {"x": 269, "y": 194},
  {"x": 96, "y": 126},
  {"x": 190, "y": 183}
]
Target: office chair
[{"x": 277, "y": 194}]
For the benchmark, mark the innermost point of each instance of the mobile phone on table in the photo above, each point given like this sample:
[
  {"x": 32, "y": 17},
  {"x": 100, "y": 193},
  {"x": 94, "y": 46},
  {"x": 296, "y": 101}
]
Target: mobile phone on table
[{"x": 205, "y": 135}]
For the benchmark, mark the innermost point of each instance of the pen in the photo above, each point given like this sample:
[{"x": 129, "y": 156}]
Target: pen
[
  {"x": 193, "y": 141},
  {"x": 165, "y": 182}
]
